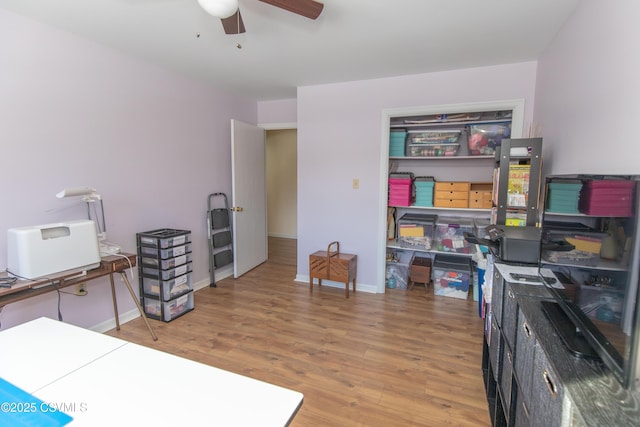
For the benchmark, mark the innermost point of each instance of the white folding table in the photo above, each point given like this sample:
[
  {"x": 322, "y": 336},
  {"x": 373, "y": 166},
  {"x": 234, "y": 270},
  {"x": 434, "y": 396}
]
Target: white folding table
[{"x": 101, "y": 380}]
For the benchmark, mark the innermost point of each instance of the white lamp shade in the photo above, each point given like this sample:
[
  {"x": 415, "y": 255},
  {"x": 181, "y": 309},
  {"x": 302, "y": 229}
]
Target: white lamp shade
[
  {"x": 219, "y": 8},
  {"x": 79, "y": 191}
]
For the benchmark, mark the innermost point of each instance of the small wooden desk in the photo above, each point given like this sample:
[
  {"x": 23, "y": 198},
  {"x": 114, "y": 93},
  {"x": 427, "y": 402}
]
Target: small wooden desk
[{"x": 24, "y": 289}]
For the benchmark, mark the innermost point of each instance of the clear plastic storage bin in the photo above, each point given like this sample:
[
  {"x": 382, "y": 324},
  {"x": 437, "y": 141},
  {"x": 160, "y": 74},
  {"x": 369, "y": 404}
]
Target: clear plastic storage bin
[
  {"x": 416, "y": 231},
  {"x": 451, "y": 276},
  {"x": 167, "y": 289},
  {"x": 435, "y": 136},
  {"x": 449, "y": 236},
  {"x": 166, "y": 274},
  {"x": 397, "y": 269},
  {"x": 165, "y": 264},
  {"x": 168, "y": 310},
  {"x": 433, "y": 150},
  {"x": 165, "y": 253},
  {"x": 484, "y": 138}
]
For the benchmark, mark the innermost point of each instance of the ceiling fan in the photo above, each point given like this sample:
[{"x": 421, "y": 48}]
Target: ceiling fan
[{"x": 229, "y": 13}]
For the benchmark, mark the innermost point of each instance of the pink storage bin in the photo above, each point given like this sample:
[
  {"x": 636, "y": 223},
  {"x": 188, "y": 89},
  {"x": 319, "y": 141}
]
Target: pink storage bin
[
  {"x": 400, "y": 201},
  {"x": 400, "y": 190},
  {"x": 399, "y": 181},
  {"x": 607, "y": 198},
  {"x": 399, "y": 194}
]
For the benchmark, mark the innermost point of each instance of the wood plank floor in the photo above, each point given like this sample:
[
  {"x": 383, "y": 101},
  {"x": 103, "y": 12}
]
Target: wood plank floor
[{"x": 398, "y": 359}]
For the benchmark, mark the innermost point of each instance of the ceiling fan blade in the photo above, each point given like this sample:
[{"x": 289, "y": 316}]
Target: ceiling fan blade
[
  {"x": 233, "y": 24},
  {"x": 308, "y": 8}
]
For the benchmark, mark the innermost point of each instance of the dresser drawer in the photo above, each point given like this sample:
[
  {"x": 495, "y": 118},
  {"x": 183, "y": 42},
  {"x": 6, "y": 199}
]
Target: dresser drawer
[
  {"x": 509, "y": 315},
  {"x": 452, "y": 186},
  {"x": 450, "y": 203},
  {"x": 521, "y": 416},
  {"x": 496, "y": 296},
  {"x": 495, "y": 345},
  {"x": 525, "y": 349},
  {"x": 480, "y": 199},
  {"x": 456, "y": 195},
  {"x": 506, "y": 379},
  {"x": 547, "y": 393}
]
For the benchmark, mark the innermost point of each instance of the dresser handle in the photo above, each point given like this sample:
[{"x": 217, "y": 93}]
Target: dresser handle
[
  {"x": 550, "y": 384},
  {"x": 510, "y": 293},
  {"x": 497, "y": 275},
  {"x": 527, "y": 331},
  {"x": 509, "y": 356}
]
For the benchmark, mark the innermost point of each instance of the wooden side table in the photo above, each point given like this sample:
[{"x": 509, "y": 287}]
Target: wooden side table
[{"x": 333, "y": 265}]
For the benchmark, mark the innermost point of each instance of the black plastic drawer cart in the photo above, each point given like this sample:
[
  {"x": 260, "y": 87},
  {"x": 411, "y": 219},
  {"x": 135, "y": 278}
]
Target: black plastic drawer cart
[{"x": 164, "y": 267}]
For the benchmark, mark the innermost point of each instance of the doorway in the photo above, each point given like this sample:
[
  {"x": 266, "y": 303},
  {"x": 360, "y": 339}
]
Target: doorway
[{"x": 282, "y": 190}]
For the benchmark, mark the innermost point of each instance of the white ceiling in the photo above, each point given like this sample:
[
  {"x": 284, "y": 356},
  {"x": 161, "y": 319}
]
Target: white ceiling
[{"x": 351, "y": 40}]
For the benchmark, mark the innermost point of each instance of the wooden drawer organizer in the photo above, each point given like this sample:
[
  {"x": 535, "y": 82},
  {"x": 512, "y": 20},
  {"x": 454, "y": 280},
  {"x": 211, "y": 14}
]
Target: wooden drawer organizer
[
  {"x": 333, "y": 265},
  {"x": 480, "y": 195},
  {"x": 451, "y": 194}
]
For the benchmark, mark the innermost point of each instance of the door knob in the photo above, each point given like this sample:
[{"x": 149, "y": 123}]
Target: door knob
[{"x": 237, "y": 209}]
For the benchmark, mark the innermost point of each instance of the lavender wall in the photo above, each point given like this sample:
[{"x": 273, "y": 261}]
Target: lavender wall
[
  {"x": 278, "y": 114},
  {"x": 340, "y": 136},
  {"x": 73, "y": 114},
  {"x": 587, "y": 91}
]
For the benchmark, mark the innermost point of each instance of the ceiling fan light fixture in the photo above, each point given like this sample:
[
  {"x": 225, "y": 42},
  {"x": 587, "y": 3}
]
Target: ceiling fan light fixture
[{"x": 219, "y": 8}]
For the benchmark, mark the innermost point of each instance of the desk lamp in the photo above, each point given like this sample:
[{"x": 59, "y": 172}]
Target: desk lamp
[{"x": 92, "y": 198}]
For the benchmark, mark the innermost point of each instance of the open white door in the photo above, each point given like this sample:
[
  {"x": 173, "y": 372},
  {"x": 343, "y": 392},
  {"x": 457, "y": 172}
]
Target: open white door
[{"x": 249, "y": 195}]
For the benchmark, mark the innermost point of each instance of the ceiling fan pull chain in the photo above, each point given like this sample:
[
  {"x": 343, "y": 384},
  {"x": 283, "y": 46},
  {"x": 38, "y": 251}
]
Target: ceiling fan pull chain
[{"x": 238, "y": 45}]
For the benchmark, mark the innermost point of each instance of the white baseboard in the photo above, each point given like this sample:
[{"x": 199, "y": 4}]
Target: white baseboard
[
  {"x": 283, "y": 236},
  {"x": 110, "y": 324},
  {"x": 223, "y": 273},
  {"x": 360, "y": 287}
]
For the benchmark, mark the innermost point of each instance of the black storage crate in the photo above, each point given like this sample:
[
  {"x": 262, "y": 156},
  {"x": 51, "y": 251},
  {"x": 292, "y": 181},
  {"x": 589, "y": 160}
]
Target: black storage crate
[{"x": 166, "y": 291}]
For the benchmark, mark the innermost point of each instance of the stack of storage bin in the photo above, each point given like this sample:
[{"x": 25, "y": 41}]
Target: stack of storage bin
[
  {"x": 607, "y": 197},
  {"x": 424, "y": 191},
  {"x": 400, "y": 189},
  {"x": 397, "y": 140},
  {"x": 564, "y": 195},
  {"x": 165, "y": 273}
]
